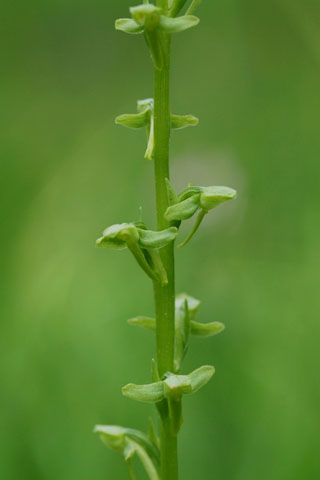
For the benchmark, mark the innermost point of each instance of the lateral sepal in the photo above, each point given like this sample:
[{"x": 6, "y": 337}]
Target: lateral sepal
[
  {"x": 177, "y": 24},
  {"x": 182, "y": 121}
]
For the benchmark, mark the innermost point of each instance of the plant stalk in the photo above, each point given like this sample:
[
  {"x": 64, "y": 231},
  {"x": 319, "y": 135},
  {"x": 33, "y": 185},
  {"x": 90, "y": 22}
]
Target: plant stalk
[{"x": 164, "y": 294}]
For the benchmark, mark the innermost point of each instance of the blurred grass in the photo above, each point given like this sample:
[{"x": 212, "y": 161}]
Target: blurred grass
[{"x": 251, "y": 73}]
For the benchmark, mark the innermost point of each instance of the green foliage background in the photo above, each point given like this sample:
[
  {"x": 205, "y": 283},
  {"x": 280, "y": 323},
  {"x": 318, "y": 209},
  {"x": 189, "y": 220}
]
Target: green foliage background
[{"x": 251, "y": 72}]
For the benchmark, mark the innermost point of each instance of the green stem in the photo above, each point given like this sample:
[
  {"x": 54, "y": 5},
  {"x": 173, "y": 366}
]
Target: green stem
[{"x": 164, "y": 294}]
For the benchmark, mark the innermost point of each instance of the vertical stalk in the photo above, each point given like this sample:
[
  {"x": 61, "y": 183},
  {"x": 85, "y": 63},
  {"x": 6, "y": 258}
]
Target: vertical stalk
[{"x": 164, "y": 295}]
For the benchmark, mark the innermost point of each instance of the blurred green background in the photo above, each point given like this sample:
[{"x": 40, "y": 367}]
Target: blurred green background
[{"x": 251, "y": 72}]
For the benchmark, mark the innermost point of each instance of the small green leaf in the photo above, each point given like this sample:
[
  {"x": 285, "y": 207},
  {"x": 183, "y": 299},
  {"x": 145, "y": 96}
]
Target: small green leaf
[
  {"x": 178, "y": 24},
  {"x": 211, "y": 197},
  {"x": 151, "y": 393},
  {"x": 184, "y": 209},
  {"x": 134, "y": 120},
  {"x": 172, "y": 197},
  {"x": 200, "y": 377},
  {"x": 143, "y": 322},
  {"x": 182, "y": 121},
  {"x": 153, "y": 239},
  {"x": 206, "y": 329},
  {"x": 128, "y": 25}
]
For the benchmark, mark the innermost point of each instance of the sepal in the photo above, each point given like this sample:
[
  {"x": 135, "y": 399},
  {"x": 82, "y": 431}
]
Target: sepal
[
  {"x": 133, "y": 120},
  {"x": 144, "y": 322},
  {"x": 206, "y": 329},
  {"x": 178, "y": 24},
  {"x": 150, "y": 393},
  {"x": 182, "y": 121},
  {"x": 200, "y": 377},
  {"x": 128, "y": 25}
]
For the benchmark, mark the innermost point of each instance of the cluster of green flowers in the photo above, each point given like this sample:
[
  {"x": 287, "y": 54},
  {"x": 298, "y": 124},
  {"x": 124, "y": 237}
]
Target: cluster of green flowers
[{"x": 145, "y": 245}]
